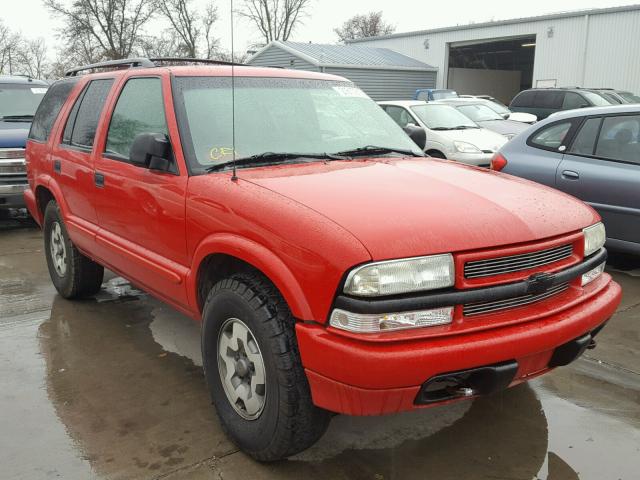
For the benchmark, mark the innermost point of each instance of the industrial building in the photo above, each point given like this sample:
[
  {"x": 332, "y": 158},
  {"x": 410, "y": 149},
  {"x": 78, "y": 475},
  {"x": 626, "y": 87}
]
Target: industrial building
[
  {"x": 381, "y": 73},
  {"x": 588, "y": 48}
]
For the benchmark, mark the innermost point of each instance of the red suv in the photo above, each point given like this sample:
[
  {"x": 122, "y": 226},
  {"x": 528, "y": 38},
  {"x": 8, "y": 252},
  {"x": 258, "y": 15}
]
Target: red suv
[{"x": 334, "y": 269}]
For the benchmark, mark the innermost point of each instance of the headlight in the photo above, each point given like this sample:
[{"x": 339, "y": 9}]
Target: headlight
[
  {"x": 401, "y": 276},
  {"x": 382, "y": 322},
  {"x": 464, "y": 147},
  {"x": 594, "y": 238}
]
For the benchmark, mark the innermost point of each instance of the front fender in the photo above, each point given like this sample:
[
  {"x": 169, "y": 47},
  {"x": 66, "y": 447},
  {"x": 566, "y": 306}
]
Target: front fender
[{"x": 259, "y": 257}]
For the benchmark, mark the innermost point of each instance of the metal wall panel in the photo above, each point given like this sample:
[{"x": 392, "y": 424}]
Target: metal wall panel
[
  {"x": 276, "y": 57},
  {"x": 387, "y": 84},
  {"x": 588, "y": 50}
]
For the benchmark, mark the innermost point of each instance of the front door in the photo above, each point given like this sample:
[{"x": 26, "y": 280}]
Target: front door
[
  {"x": 141, "y": 211},
  {"x": 602, "y": 168}
]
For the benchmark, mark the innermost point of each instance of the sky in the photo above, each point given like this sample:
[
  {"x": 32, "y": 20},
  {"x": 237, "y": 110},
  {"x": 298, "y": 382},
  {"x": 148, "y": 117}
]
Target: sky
[{"x": 33, "y": 20}]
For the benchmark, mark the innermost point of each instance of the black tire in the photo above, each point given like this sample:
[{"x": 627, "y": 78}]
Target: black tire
[
  {"x": 81, "y": 276},
  {"x": 436, "y": 154},
  {"x": 288, "y": 422}
]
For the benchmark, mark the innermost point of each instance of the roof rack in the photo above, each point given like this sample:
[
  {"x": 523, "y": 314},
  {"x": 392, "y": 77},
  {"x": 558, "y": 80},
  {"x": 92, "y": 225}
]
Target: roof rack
[{"x": 142, "y": 62}]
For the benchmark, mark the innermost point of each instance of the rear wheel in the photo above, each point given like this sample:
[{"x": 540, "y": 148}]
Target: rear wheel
[
  {"x": 253, "y": 370},
  {"x": 73, "y": 274}
]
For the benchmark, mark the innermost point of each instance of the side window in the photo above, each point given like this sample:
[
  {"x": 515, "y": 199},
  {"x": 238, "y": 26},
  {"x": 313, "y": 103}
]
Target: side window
[
  {"x": 573, "y": 100},
  {"x": 550, "y": 137},
  {"x": 619, "y": 139},
  {"x": 585, "y": 140},
  {"x": 49, "y": 109},
  {"x": 82, "y": 123},
  {"x": 399, "y": 115},
  {"x": 140, "y": 109},
  {"x": 524, "y": 99},
  {"x": 549, "y": 99}
]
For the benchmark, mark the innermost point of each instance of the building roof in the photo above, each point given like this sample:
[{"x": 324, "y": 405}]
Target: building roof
[
  {"x": 512, "y": 21},
  {"x": 347, "y": 56}
]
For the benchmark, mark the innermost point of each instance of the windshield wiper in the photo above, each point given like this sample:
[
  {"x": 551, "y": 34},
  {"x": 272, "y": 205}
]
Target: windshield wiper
[
  {"x": 376, "y": 150},
  {"x": 464, "y": 127},
  {"x": 272, "y": 157},
  {"x": 17, "y": 117}
]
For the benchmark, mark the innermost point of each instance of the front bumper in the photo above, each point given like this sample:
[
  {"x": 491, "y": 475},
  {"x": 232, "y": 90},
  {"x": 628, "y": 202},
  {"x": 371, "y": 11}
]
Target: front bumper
[
  {"x": 11, "y": 196},
  {"x": 356, "y": 377}
]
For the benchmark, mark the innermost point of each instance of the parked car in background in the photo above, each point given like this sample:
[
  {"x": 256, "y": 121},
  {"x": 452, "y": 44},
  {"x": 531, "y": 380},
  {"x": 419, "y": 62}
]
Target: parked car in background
[
  {"x": 450, "y": 133},
  {"x": 333, "y": 267},
  {"x": 617, "y": 96},
  {"x": 430, "y": 94},
  {"x": 477, "y": 111},
  {"x": 592, "y": 154},
  {"x": 19, "y": 99},
  {"x": 502, "y": 110},
  {"x": 542, "y": 102}
]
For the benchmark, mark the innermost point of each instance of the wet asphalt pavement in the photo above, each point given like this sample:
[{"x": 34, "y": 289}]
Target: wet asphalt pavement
[{"x": 112, "y": 388}]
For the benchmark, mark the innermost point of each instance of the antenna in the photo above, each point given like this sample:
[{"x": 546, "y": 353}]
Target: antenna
[{"x": 234, "y": 176}]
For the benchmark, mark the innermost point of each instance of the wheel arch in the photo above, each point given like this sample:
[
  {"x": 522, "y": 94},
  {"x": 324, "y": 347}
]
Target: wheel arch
[
  {"x": 221, "y": 255},
  {"x": 438, "y": 153}
]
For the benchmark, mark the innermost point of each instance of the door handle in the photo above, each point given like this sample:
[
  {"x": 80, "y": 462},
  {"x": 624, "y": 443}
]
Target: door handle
[
  {"x": 99, "y": 179},
  {"x": 570, "y": 174},
  {"x": 57, "y": 166}
]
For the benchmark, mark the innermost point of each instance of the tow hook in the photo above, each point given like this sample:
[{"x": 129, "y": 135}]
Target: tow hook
[{"x": 592, "y": 344}]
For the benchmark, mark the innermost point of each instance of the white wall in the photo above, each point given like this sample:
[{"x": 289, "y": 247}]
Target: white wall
[
  {"x": 610, "y": 41},
  {"x": 501, "y": 84}
]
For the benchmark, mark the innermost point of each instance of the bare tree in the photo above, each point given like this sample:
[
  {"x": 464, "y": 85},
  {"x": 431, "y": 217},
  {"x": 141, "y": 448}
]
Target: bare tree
[
  {"x": 114, "y": 25},
  {"x": 166, "y": 45},
  {"x": 9, "y": 44},
  {"x": 31, "y": 56},
  {"x": 275, "y": 19},
  {"x": 363, "y": 26},
  {"x": 210, "y": 17}
]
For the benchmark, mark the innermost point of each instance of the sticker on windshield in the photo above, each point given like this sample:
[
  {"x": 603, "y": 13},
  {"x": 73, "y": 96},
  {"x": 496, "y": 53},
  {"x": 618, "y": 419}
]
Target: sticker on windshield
[
  {"x": 39, "y": 91},
  {"x": 349, "y": 92}
]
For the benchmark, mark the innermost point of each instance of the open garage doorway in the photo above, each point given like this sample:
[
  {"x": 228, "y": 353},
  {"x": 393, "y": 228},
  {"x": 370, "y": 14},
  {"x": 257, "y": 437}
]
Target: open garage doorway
[{"x": 500, "y": 68}]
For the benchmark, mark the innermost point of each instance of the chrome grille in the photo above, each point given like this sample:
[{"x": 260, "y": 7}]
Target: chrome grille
[
  {"x": 481, "y": 308},
  {"x": 11, "y": 153},
  {"x": 516, "y": 263}
]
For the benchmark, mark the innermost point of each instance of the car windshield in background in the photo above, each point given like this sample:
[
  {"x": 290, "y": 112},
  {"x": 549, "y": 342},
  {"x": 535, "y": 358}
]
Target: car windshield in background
[
  {"x": 20, "y": 100},
  {"x": 442, "y": 117},
  {"x": 595, "y": 99},
  {"x": 629, "y": 97},
  {"x": 442, "y": 94},
  {"x": 479, "y": 113},
  {"x": 277, "y": 116}
]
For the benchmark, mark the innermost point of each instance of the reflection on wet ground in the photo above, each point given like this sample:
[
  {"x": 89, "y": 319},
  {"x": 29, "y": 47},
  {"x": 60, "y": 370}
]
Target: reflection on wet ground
[{"x": 112, "y": 388}]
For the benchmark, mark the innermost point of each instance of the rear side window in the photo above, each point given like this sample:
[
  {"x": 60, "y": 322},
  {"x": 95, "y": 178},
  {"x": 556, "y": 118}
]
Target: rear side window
[
  {"x": 140, "y": 109},
  {"x": 549, "y": 99},
  {"x": 49, "y": 109},
  {"x": 619, "y": 139},
  {"x": 399, "y": 115},
  {"x": 573, "y": 100},
  {"x": 551, "y": 137},
  {"x": 80, "y": 130},
  {"x": 524, "y": 99},
  {"x": 586, "y": 138}
]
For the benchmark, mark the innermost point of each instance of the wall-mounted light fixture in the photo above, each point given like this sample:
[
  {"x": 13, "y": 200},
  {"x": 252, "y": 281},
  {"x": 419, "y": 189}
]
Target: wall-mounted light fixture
[
  {"x": 550, "y": 32},
  {"x": 528, "y": 45},
  {"x": 426, "y": 44}
]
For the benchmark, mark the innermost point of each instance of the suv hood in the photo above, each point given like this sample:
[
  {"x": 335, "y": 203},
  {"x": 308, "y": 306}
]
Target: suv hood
[
  {"x": 405, "y": 208},
  {"x": 14, "y": 134},
  {"x": 480, "y": 137}
]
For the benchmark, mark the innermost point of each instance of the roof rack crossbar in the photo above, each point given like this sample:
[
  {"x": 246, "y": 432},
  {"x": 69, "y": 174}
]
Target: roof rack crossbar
[
  {"x": 144, "y": 63},
  {"x": 131, "y": 62}
]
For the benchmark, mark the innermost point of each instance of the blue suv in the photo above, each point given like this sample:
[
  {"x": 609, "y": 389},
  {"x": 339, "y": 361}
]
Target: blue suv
[{"x": 19, "y": 99}]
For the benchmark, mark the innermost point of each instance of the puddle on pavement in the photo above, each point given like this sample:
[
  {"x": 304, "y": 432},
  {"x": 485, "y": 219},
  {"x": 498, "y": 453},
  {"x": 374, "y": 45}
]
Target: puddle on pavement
[{"x": 124, "y": 379}]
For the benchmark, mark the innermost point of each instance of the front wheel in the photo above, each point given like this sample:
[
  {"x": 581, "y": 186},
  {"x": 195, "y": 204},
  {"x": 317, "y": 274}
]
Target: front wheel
[
  {"x": 253, "y": 370},
  {"x": 73, "y": 274}
]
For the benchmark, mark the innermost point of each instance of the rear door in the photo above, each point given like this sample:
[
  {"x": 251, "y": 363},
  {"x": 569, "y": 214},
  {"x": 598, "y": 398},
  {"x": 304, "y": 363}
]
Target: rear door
[
  {"x": 141, "y": 211},
  {"x": 602, "y": 167}
]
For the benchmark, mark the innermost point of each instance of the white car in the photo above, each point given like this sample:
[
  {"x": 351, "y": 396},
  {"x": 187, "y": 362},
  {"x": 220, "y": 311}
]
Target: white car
[
  {"x": 450, "y": 134},
  {"x": 502, "y": 110}
]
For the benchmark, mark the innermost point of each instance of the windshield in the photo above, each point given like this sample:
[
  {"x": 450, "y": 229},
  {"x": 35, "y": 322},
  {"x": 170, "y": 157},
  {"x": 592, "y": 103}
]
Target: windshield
[
  {"x": 442, "y": 94},
  {"x": 20, "y": 99},
  {"x": 442, "y": 117},
  {"x": 629, "y": 97},
  {"x": 497, "y": 107},
  {"x": 596, "y": 100},
  {"x": 479, "y": 113},
  {"x": 278, "y": 115}
]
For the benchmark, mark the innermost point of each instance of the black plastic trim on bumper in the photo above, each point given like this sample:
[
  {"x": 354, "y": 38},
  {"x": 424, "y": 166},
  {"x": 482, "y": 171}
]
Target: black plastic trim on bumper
[{"x": 460, "y": 297}]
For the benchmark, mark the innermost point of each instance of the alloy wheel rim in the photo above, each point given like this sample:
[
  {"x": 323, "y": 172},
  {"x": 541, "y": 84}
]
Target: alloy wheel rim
[
  {"x": 58, "y": 250},
  {"x": 241, "y": 369}
]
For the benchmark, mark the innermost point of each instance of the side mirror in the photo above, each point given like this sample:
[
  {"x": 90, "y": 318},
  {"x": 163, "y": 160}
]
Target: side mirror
[
  {"x": 506, "y": 116},
  {"x": 417, "y": 134},
  {"x": 152, "y": 151}
]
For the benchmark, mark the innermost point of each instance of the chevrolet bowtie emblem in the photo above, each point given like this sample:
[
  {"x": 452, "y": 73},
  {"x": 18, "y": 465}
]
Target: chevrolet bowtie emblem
[{"x": 539, "y": 283}]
